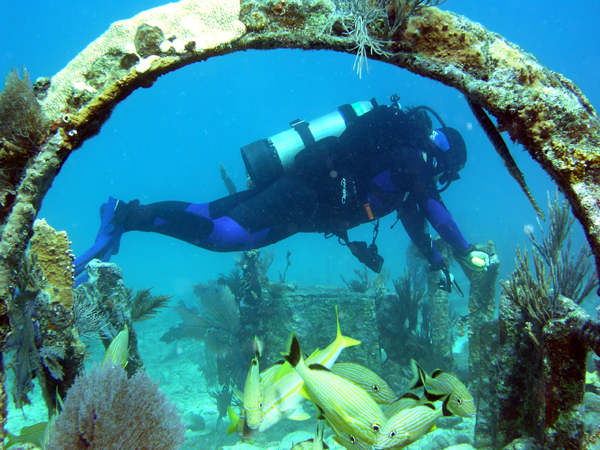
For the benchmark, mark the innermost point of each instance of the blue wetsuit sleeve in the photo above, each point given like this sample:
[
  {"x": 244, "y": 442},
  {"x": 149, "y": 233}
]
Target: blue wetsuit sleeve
[
  {"x": 441, "y": 220},
  {"x": 417, "y": 229},
  {"x": 423, "y": 203}
]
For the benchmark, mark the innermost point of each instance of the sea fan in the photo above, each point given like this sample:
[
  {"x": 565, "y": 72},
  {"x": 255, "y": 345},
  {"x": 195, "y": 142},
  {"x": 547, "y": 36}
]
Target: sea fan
[{"x": 106, "y": 410}]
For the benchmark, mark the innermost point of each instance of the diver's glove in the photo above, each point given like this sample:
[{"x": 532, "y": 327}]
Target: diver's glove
[
  {"x": 369, "y": 256},
  {"x": 446, "y": 281},
  {"x": 474, "y": 259}
]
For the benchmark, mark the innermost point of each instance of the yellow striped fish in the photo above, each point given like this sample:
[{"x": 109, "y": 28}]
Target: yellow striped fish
[
  {"x": 237, "y": 424},
  {"x": 282, "y": 399},
  {"x": 441, "y": 384},
  {"x": 252, "y": 393},
  {"x": 33, "y": 434},
  {"x": 346, "y": 404},
  {"x": 406, "y": 426},
  {"x": 331, "y": 352},
  {"x": 118, "y": 350},
  {"x": 267, "y": 376},
  {"x": 316, "y": 443},
  {"x": 366, "y": 379},
  {"x": 346, "y": 439},
  {"x": 408, "y": 400}
]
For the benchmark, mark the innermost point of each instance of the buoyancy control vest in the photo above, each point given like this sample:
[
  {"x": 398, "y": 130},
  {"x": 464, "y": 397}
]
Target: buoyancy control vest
[{"x": 268, "y": 159}]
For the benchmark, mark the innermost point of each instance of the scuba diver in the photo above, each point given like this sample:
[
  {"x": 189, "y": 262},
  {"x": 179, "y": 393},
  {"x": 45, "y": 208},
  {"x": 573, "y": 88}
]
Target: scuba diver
[{"x": 350, "y": 167}]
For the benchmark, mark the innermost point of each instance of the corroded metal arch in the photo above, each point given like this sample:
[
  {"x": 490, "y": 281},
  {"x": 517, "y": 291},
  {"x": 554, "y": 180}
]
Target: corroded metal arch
[{"x": 540, "y": 109}]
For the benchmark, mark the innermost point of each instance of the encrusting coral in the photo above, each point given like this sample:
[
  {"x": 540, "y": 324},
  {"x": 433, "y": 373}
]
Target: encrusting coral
[
  {"x": 55, "y": 258},
  {"x": 561, "y": 335}
]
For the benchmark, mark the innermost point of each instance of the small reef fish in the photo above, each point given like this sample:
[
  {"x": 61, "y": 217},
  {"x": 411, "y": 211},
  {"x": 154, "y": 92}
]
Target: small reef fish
[
  {"x": 366, "y": 379},
  {"x": 267, "y": 376},
  {"x": 441, "y": 384},
  {"x": 252, "y": 393},
  {"x": 118, "y": 350},
  {"x": 406, "y": 426},
  {"x": 316, "y": 443},
  {"x": 408, "y": 400},
  {"x": 346, "y": 404},
  {"x": 328, "y": 356},
  {"x": 281, "y": 399},
  {"x": 237, "y": 424},
  {"x": 33, "y": 434},
  {"x": 346, "y": 439}
]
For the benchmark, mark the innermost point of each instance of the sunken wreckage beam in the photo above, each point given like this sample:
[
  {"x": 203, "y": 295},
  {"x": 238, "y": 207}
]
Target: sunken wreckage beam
[{"x": 540, "y": 109}]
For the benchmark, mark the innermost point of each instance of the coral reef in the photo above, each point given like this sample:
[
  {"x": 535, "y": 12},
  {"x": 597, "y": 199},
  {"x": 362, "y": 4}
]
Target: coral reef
[
  {"x": 23, "y": 129},
  {"x": 44, "y": 341},
  {"x": 22, "y": 122},
  {"x": 104, "y": 307},
  {"x": 217, "y": 324},
  {"x": 545, "y": 338}
]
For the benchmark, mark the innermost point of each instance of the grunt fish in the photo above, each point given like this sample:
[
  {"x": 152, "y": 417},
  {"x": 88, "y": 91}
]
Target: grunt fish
[
  {"x": 267, "y": 376},
  {"x": 366, "y": 379},
  {"x": 346, "y": 439},
  {"x": 118, "y": 350},
  {"x": 345, "y": 403},
  {"x": 316, "y": 443},
  {"x": 492, "y": 133},
  {"x": 252, "y": 393},
  {"x": 441, "y": 384},
  {"x": 408, "y": 400},
  {"x": 406, "y": 426},
  {"x": 282, "y": 398},
  {"x": 33, "y": 434},
  {"x": 333, "y": 350}
]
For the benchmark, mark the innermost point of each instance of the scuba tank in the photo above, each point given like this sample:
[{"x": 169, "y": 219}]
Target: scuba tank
[{"x": 266, "y": 160}]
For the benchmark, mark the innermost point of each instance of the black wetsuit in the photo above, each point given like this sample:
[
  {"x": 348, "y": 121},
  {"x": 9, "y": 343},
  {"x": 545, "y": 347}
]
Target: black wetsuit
[{"x": 383, "y": 162}]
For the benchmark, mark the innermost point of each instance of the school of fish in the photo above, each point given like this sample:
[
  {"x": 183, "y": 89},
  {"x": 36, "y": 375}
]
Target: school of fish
[{"x": 349, "y": 399}]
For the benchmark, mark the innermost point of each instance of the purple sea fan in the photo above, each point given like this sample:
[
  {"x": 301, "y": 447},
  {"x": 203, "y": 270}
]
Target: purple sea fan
[{"x": 105, "y": 410}]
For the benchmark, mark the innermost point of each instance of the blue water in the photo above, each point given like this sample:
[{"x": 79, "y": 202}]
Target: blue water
[{"x": 166, "y": 143}]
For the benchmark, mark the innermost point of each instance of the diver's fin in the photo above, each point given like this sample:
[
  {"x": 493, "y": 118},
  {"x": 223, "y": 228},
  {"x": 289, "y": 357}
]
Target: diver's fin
[{"x": 108, "y": 239}]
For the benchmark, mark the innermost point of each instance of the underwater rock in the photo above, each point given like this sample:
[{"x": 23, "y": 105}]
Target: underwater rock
[
  {"x": 520, "y": 371},
  {"x": 524, "y": 444},
  {"x": 194, "y": 421},
  {"x": 440, "y": 323},
  {"x": 461, "y": 447},
  {"x": 591, "y": 402},
  {"x": 485, "y": 390},
  {"x": 564, "y": 375},
  {"x": 482, "y": 305},
  {"x": 55, "y": 257},
  {"x": 107, "y": 281}
]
